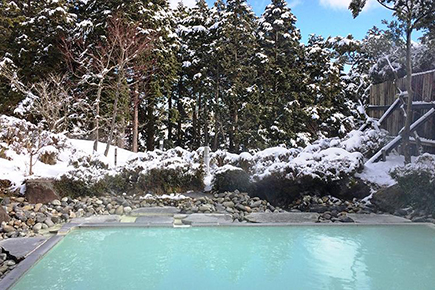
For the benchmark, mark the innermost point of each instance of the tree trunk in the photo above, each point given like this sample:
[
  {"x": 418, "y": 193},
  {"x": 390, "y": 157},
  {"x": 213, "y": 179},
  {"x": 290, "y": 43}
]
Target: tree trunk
[
  {"x": 216, "y": 115},
  {"x": 206, "y": 124},
  {"x": 236, "y": 131},
  {"x": 194, "y": 125},
  {"x": 135, "y": 119},
  {"x": 170, "y": 118},
  {"x": 97, "y": 115},
  {"x": 409, "y": 112},
  {"x": 180, "y": 113},
  {"x": 150, "y": 125},
  {"x": 198, "y": 126},
  {"x": 113, "y": 123},
  {"x": 31, "y": 163}
]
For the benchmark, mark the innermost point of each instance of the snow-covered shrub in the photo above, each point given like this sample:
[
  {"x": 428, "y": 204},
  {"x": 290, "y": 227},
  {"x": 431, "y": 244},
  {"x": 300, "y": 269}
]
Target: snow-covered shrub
[
  {"x": 156, "y": 171},
  {"x": 418, "y": 181},
  {"x": 230, "y": 178},
  {"x": 21, "y": 136},
  {"x": 366, "y": 142}
]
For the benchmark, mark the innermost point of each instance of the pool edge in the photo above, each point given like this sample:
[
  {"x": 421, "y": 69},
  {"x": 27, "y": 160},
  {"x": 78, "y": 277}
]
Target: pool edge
[{"x": 12, "y": 277}]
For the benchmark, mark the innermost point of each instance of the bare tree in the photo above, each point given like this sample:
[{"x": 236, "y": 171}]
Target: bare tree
[
  {"x": 126, "y": 49},
  {"x": 49, "y": 100},
  {"x": 131, "y": 44}
]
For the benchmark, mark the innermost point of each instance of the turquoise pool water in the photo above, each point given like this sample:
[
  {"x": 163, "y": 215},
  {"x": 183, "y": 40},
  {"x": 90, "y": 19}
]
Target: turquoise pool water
[{"x": 312, "y": 257}]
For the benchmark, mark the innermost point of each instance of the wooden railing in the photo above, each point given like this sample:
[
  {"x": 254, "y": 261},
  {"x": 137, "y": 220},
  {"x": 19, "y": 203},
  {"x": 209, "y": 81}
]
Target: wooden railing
[{"x": 383, "y": 95}]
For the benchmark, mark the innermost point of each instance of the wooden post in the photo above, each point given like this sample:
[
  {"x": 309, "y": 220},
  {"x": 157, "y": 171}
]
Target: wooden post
[{"x": 207, "y": 159}]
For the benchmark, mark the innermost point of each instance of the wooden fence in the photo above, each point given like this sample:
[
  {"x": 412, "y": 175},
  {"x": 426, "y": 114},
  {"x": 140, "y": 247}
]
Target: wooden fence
[{"x": 384, "y": 94}]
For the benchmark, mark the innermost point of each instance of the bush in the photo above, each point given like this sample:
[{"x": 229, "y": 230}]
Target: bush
[
  {"x": 417, "y": 180},
  {"x": 74, "y": 188},
  {"x": 48, "y": 158},
  {"x": 230, "y": 178}
]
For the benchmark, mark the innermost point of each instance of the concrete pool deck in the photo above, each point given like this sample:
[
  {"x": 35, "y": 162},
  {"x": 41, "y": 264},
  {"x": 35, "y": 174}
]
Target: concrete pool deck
[{"x": 30, "y": 250}]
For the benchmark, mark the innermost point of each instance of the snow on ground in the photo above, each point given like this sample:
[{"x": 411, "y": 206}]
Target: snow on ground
[
  {"x": 17, "y": 169},
  {"x": 378, "y": 173}
]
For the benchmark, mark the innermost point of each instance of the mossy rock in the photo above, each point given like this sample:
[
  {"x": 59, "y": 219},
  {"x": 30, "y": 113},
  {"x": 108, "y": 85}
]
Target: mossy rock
[
  {"x": 390, "y": 199},
  {"x": 231, "y": 180}
]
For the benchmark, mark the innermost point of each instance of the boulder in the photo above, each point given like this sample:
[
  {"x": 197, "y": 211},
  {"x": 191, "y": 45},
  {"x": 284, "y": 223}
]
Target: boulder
[
  {"x": 350, "y": 188},
  {"x": 390, "y": 199},
  {"x": 4, "y": 217},
  {"x": 231, "y": 179},
  {"x": 40, "y": 191}
]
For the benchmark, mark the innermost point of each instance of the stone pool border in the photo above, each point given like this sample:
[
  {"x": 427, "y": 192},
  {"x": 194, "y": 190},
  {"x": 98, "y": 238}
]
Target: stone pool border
[{"x": 11, "y": 278}]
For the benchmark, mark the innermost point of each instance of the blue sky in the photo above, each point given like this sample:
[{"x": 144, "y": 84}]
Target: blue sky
[{"x": 326, "y": 17}]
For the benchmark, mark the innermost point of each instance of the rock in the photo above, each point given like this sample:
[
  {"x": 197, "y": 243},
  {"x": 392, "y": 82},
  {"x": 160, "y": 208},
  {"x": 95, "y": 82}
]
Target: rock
[
  {"x": 228, "y": 204},
  {"x": 350, "y": 188},
  {"x": 4, "y": 217},
  {"x": 8, "y": 228},
  {"x": 119, "y": 210},
  {"x": 4, "y": 268},
  {"x": 21, "y": 216},
  {"x": 27, "y": 207},
  {"x": 38, "y": 206},
  {"x": 56, "y": 202},
  {"x": 127, "y": 210},
  {"x": 232, "y": 180},
  {"x": 37, "y": 227},
  {"x": 345, "y": 219},
  {"x": 49, "y": 222},
  {"x": 390, "y": 199},
  {"x": 40, "y": 217},
  {"x": 205, "y": 207},
  {"x": 403, "y": 211},
  {"x": 20, "y": 199},
  {"x": 30, "y": 222},
  {"x": 327, "y": 216},
  {"x": 419, "y": 219},
  {"x": 40, "y": 191},
  {"x": 241, "y": 207},
  {"x": 256, "y": 204},
  {"x": 318, "y": 208}
]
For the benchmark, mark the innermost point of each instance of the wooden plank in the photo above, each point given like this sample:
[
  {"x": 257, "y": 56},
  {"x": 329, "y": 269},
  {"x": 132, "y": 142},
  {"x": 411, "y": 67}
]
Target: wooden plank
[
  {"x": 390, "y": 110},
  {"x": 396, "y": 141}
]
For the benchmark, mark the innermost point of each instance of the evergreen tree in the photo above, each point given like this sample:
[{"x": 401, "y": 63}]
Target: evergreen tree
[
  {"x": 238, "y": 50},
  {"x": 195, "y": 34},
  {"x": 279, "y": 72},
  {"x": 216, "y": 73}
]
